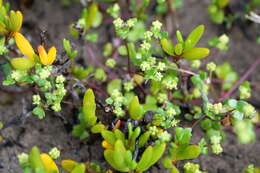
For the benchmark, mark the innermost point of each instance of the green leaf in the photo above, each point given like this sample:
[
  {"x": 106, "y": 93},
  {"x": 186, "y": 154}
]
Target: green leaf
[
  {"x": 119, "y": 155},
  {"x": 80, "y": 168},
  {"x": 144, "y": 138},
  {"x": 194, "y": 37},
  {"x": 167, "y": 162},
  {"x": 178, "y": 49},
  {"x": 174, "y": 170},
  {"x": 109, "y": 156},
  {"x": 191, "y": 152},
  {"x": 132, "y": 138},
  {"x": 13, "y": 21},
  {"x": 22, "y": 63},
  {"x": 179, "y": 36},
  {"x": 98, "y": 128},
  {"x": 196, "y": 53},
  {"x": 80, "y": 131},
  {"x": 91, "y": 15},
  {"x": 113, "y": 85},
  {"x": 66, "y": 45},
  {"x": 35, "y": 159},
  {"x": 100, "y": 74},
  {"x": 89, "y": 107},
  {"x": 158, "y": 151},
  {"x": 68, "y": 165},
  {"x": 182, "y": 135},
  {"x": 119, "y": 161},
  {"x": 3, "y": 29},
  {"x": 109, "y": 137},
  {"x": 98, "y": 19},
  {"x": 39, "y": 112},
  {"x": 218, "y": 17},
  {"x": 129, "y": 160},
  {"x": 131, "y": 50},
  {"x": 119, "y": 135},
  {"x": 223, "y": 3},
  {"x": 167, "y": 46},
  {"x": 135, "y": 109},
  {"x": 144, "y": 163},
  {"x": 232, "y": 103}
]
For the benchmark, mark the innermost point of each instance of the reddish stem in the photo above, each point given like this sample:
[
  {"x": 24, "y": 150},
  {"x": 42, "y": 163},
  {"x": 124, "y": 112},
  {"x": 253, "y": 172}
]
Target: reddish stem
[
  {"x": 242, "y": 79},
  {"x": 98, "y": 63}
]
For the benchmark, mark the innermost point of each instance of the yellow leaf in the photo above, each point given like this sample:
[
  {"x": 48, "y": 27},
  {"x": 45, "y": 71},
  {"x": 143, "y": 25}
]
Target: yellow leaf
[
  {"x": 43, "y": 55},
  {"x": 22, "y": 63},
  {"x": 47, "y": 59},
  {"x": 68, "y": 165},
  {"x": 51, "y": 55},
  {"x": 19, "y": 21},
  {"x": 49, "y": 164},
  {"x": 23, "y": 45}
]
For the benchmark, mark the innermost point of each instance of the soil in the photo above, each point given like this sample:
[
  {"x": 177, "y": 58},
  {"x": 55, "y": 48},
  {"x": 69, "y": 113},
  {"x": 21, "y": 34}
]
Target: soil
[{"x": 49, "y": 15}]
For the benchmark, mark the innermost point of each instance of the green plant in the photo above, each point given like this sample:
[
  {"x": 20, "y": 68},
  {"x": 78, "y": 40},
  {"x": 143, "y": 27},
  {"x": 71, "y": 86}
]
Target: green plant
[
  {"x": 87, "y": 117},
  {"x": 217, "y": 10},
  {"x": 144, "y": 100},
  {"x": 119, "y": 150}
]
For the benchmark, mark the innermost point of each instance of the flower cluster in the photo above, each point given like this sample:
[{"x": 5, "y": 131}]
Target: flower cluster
[
  {"x": 215, "y": 144},
  {"x": 192, "y": 168},
  {"x": 165, "y": 117},
  {"x": 117, "y": 100}
]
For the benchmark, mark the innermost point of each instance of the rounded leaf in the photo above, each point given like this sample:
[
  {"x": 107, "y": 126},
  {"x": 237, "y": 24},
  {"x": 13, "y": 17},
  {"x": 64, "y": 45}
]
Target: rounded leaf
[
  {"x": 135, "y": 109},
  {"x": 109, "y": 137},
  {"x": 191, "y": 152},
  {"x": 178, "y": 49},
  {"x": 223, "y": 3},
  {"x": 98, "y": 128},
  {"x": 196, "y": 53},
  {"x": 194, "y": 37},
  {"x": 167, "y": 46}
]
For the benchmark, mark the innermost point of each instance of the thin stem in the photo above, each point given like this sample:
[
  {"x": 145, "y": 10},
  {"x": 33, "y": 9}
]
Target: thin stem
[
  {"x": 98, "y": 63},
  {"x": 183, "y": 71},
  {"x": 242, "y": 79}
]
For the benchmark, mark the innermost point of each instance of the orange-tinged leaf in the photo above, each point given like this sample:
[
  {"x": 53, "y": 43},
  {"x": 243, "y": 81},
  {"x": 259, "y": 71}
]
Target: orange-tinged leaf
[
  {"x": 49, "y": 164},
  {"x": 68, "y": 165},
  {"x": 22, "y": 63},
  {"x": 23, "y": 45},
  {"x": 51, "y": 55},
  {"x": 19, "y": 20},
  {"x": 43, "y": 55}
]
